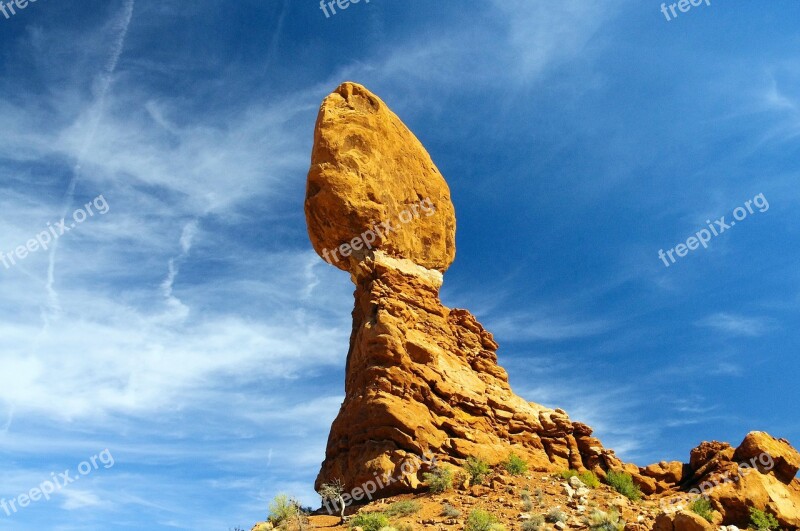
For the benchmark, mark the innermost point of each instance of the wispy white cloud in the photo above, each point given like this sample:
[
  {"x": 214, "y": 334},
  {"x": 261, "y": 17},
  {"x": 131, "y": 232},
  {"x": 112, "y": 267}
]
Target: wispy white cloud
[
  {"x": 120, "y": 28},
  {"x": 542, "y": 35},
  {"x": 612, "y": 412},
  {"x": 541, "y": 326},
  {"x": 737, "y": 325},
  {"x": 79, "y": 499}
]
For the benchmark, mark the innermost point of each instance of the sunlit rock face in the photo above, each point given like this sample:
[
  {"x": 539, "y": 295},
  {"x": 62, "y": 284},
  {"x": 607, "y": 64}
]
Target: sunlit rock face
[{"x": 422, "y": 380}]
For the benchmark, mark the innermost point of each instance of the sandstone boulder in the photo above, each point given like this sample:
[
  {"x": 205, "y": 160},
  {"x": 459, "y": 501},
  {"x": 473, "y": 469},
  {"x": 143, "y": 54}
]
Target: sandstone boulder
[
  {"x": 707, "y": 451},
  {"x": 681, "y": 521},
  {"x": 764, "y": 452},
  {"x": 373, "y": 186}
]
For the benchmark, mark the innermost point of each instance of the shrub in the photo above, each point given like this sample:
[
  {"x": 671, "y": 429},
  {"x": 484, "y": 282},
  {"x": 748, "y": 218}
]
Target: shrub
[
  {"x": 762, "y": 520},
  {"x": 450, "y": 511},
  {"x": 702, "y": 507},
  {"x": 587, "y": 477},
  {"x": 555, "y": 515},
  {"x": 480, "y": 520},
  {"x": 602, "y": 521},
  {"x": 515, "y": 465},
  {"x": 439, "y": 480},
  {"x": 282, "y": 509},
  {"x": 527, "y": 504},
  {"x": 539, "y": 496},
  {"x": 370, "y": 521},
  {"x": 534, "y": 524},
  {"x": 402, "y": 508},
  {"x": 477, "y": 469},
  {"x": 623, "y": 483},
  {"x": 566, "y": 474}
]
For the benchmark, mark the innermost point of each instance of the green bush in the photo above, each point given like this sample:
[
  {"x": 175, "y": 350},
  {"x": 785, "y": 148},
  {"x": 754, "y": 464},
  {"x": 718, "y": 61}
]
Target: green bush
[
  {"x": 515, "y": 465},
  {"x": 623, "y": 483},
  {"x": 282, "y": 509},
  {"x": 450, "y": 511},
  {"x": 587, "y": 477},
  {"x": 439, "y": 480},
  {"x": 402, "y": 508},
  {"x": 702, "y": 507},
  {"x": 477, "y": 469},
  {"x": 370, "y": 521},
  {"x": 480, "y": 520},
  {"x": 555, "y": 515},
  {"x": 762, "y": 520},
  {"x": 602, "y": 521},
  {"x": 535, "y": 523}
]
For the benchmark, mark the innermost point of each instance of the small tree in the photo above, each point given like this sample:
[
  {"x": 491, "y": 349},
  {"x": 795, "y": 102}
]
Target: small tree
[{"x": 333, "y": 492}]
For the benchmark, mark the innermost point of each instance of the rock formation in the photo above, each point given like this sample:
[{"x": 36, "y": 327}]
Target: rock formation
[
  {"x": 423, "y": 379},
  {"x": 367, "y": 168},
  {"x": 759, "y": 473}
]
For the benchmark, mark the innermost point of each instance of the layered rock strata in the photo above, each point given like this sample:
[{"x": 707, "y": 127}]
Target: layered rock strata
[{"x": 423, "y": 379}]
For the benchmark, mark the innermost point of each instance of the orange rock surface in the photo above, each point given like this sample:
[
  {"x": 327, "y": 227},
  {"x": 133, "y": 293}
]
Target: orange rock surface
[
  {"x": 370, "y": 173},
  {"x": 422, "y": 380}
]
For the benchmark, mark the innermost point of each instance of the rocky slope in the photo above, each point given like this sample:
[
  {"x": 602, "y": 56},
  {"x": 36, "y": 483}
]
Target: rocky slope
[{"x": 422, "y": 380}]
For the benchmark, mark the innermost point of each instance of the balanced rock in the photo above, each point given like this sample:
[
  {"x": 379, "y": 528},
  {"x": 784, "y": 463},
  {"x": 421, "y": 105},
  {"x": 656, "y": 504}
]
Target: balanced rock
[
  {"x": 421, "y": 379},
  {"x": 422, "y": 382},
  {"x": 372, "y": 186}
]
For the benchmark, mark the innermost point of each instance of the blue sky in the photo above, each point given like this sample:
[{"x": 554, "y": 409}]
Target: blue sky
[{"x": 192, "y": 331}]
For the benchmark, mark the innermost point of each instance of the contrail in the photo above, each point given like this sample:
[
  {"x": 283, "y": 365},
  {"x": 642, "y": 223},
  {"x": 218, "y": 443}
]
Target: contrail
[
  {"x": 120, "y": 28},
  {"x": 276, "y": 35}
]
